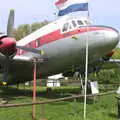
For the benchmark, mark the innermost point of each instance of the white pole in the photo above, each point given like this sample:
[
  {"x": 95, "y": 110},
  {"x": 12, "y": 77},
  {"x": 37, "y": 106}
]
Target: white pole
[{"x": 86, "y": 71}]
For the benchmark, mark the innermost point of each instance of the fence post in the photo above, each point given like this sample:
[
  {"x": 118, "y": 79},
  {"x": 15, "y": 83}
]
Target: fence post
[
  {"x": 34, "y": 90},
  {"x": 42, "y": 112}
]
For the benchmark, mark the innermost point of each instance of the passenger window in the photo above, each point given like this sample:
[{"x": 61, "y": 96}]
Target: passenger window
[
  {"x": 79, "y": 22},
  {"x": 65, "y": 27},
  {"x": 74, "y": 24}
]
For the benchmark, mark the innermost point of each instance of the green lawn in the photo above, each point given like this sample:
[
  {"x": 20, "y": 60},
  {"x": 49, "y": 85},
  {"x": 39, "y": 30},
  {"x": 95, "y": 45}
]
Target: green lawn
[{"x": 104, "y": 108}]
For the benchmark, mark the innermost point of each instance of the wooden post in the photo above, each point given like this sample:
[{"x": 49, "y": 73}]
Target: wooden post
[
  {"x": 34, "y": 90},
  {"x": 42, "y": 112}
]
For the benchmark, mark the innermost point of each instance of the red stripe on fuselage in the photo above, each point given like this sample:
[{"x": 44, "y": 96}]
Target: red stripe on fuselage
[{"x": 57, "y": 35}]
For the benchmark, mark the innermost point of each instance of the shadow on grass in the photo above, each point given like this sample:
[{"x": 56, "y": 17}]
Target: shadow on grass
[
  {"x": 14, "y": 93},
  {"x": 55, "y": 93}
]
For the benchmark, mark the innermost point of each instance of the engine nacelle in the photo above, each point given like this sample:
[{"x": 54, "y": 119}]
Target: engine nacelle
[{"x": 7, "y": 45}]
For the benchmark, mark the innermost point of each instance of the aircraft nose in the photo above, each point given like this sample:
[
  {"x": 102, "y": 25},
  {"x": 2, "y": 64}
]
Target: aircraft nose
[{"x": 112, "y": 36}]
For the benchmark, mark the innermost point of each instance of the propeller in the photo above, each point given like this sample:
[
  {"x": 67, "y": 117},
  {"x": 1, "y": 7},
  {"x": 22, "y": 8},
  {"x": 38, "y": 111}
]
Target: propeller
[{"x": 8, "y": 44}]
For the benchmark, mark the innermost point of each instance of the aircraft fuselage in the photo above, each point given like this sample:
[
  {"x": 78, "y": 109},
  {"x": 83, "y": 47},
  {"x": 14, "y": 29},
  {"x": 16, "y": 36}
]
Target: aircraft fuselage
[{"x": 62, "y": 48}]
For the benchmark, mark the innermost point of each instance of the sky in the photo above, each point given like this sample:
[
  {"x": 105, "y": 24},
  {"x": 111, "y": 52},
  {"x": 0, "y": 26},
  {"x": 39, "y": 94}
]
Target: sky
[{"x": 102, "y": 12}]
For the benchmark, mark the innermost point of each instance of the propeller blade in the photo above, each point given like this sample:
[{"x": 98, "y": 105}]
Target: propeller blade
[
  {"x": 29, "y": 49},
  {"x": 10, "y": 24}
]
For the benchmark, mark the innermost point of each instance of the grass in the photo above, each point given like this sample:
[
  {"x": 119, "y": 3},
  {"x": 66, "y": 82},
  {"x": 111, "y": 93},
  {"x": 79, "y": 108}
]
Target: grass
[
  {"x": 116, "y": 55},
  {"x": 105, "y": 107}
]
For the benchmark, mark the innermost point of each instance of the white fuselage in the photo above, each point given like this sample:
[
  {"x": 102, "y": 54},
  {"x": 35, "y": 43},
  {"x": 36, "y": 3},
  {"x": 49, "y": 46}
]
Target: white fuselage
[{"x": 63, "y": 44}]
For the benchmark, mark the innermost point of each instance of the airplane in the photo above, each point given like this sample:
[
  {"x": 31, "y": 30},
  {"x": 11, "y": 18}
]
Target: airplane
[{"x": 56, "y": 47}]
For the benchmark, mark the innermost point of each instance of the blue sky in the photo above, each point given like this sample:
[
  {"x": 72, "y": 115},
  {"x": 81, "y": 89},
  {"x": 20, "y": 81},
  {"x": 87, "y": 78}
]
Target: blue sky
[{"x": 104, "y": 12}]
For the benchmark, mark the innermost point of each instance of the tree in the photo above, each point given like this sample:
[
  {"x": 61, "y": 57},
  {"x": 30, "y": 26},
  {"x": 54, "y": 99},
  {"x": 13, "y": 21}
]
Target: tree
[
  {"x": 21, "y": 31},
  {"x": 25, "y": 29},
  {"x": 37, "y": 25},
  {"x": 106, "y": 76}
]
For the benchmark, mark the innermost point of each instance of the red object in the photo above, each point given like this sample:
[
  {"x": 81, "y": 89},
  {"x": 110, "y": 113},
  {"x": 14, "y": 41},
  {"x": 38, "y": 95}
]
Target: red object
[
  {"x": 110, "y": 54},
  {"x": 34, "y": 82},
  {"x": 34, "y": 90},
  {"x": 60, "y": 2},
  {"x": 7, "y": 45}
]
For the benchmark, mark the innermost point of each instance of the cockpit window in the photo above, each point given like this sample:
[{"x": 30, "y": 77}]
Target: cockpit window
[
  {"x": 70, "y": 27},
  {"x": 74, "y": 24},
  {"x": 87, "y": 22},
  {"x": 79, "y": 22},
  {"x": 65, "y": 27}
]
